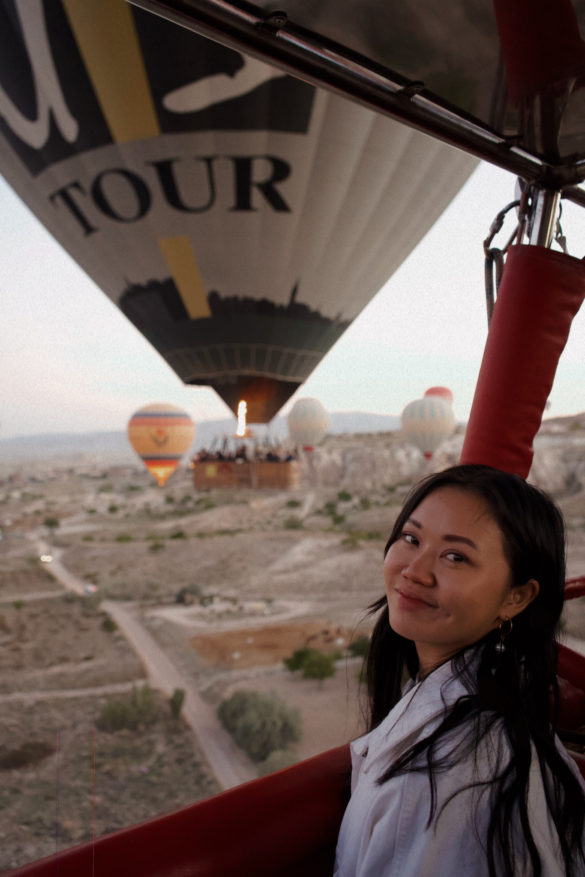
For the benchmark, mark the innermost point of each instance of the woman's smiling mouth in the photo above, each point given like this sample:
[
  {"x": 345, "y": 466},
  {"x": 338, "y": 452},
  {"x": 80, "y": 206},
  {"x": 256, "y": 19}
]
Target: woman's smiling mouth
[{"x": 409, "y": 600}]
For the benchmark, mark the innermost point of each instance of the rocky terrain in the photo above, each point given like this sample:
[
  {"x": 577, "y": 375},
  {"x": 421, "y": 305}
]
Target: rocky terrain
[{"x": 228, "y": 582}]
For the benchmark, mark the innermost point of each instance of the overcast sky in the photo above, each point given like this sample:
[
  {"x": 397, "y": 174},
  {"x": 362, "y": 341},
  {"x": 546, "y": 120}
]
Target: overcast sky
[{"x": 72, "y": 362}]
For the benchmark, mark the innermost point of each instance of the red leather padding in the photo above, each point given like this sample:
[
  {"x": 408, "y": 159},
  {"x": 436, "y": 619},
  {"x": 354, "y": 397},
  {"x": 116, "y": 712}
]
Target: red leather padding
[
  {"x": 541, "y": 45},
  {"x": 540, "y": 293},
  {"x": 284, "y": 825},
  {"x": 571, "y": 666},
  {"x": 571, "y": 674},
  {"x": 575, "y": 587}
]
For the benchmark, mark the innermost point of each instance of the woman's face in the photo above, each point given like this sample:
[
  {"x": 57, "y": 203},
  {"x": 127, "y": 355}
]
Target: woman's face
[{"x": 448, "y": 582}]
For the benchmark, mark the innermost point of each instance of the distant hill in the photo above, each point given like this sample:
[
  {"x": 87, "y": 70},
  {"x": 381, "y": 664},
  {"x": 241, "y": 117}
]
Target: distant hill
[{"x": 113, "y": 447}]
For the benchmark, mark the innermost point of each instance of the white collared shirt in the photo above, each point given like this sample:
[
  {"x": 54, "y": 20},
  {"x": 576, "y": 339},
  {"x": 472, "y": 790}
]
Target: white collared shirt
[{"x": 384, "y": 831}]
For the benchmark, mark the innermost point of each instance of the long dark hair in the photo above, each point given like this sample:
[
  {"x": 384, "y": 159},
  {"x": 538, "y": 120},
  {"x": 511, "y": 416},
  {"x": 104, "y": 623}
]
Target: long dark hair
[{"x": 517, "y": 688}]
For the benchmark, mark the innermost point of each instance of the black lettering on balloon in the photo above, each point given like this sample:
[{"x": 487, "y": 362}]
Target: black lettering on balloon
[
  {"x": 244, "y": 182},
  {"x": 168, "y": 181},
  {"x": 138, "y": 187},
  {"x": 66, "y": 196}
]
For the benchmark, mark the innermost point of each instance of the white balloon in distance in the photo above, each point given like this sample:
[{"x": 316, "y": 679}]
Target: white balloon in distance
[
  {"x": 427, "y": 422},
  {"x": 308, "y": 422},
  {"x": 238, "y": 217}
]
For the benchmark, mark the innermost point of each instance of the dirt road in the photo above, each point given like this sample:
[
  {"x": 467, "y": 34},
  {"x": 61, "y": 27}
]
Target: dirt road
[{"x": 229, "y": 764}]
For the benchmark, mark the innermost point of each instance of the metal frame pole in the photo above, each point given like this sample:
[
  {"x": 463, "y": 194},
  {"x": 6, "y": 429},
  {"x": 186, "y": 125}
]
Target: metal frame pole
[{"x": 544, "y": 212}]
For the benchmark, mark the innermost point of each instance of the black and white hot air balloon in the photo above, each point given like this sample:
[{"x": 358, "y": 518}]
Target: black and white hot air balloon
[{"x": 239, "y": 217}]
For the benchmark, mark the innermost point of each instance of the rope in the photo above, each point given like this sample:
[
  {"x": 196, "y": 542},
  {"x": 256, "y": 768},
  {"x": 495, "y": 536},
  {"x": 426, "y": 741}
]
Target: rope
[{"x": 494, "y": 258}]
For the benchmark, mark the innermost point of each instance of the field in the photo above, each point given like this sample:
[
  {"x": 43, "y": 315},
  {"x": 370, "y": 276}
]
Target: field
[{"x": 227, "y": 583}]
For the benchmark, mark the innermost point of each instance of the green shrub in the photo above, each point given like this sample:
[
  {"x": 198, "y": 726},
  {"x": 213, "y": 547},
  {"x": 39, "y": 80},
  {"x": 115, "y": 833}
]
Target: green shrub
[
  {"x": 259, "y": 723},
  {"x": 318, "y": 665},
  {"x": 297, "y": 659},
  {"x": 123, "y": 537},
  {"x": 169, "y": 499},
  {"x": 277, "y": 760},
  {"x": 365, "y": 503},
  {"x": 88, "y": 538},
  {"x": 26, "y": 754},
  {"x": 359, "y": 647},
  {"x": 176, "y": 702},
  {"x": 178, "y": 534},
  {"x": 112, "y": 508},
  {"x": 156, "y": 546},
  {"x": 293, "y": 503},
  {"x": 330, "y": 508},
  {"x": 51, "y": 523},
  {"x": 138, "y": 710},
  {"x": 205, "y": 502},
  {"x": 293, "y": 523},
  {"x": 188, "y": 594},
  {"x": 337, "y": 519},
  {"x": 109, "y": 625},
  {"x": 343, "y": 496},
  {"x": 351, "y": 539}
]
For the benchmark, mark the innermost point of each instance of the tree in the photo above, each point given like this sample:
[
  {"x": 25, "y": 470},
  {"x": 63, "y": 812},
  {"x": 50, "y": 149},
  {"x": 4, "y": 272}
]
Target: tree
[
  {"x": 51, "y": 523},
  {"x": 259, "y": 723},
  {"x": 319, "y": 666},
  {"x": 176, "y": 702},
  {"x": 297, "y": 659},
  {"x": 359, "y": 647}
]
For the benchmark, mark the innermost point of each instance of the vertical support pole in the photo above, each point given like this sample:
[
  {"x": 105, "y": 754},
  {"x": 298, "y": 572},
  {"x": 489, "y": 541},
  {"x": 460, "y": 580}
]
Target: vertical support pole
[{"x": 545, "y": 209}]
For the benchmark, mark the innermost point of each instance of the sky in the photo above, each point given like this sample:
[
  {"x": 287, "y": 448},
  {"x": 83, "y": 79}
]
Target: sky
[{"x": 71, "y": 361}]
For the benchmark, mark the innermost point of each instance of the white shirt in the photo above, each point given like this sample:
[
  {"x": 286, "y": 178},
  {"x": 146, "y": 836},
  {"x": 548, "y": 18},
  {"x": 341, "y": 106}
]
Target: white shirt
[{"x": 384, "y": 830}]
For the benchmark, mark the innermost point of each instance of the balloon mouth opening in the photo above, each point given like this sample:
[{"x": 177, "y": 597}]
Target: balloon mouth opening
[{"x": 263, "y": 396}]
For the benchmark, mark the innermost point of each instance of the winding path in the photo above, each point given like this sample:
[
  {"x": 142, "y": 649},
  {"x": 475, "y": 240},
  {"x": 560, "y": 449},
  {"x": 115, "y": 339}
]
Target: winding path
[{"x": 227, "y": 761}]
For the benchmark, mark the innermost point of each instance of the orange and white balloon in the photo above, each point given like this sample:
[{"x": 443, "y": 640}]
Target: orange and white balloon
[{"x": 160, "y": 434}]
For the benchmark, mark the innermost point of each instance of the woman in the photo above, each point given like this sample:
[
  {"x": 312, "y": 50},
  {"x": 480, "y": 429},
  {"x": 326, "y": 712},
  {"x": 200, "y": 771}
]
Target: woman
[{"x": 461, "y": 772}]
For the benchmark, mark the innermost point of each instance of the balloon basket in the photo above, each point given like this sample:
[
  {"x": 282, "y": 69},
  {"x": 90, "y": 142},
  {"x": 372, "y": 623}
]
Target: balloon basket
[{"x": 252, "y": 474}]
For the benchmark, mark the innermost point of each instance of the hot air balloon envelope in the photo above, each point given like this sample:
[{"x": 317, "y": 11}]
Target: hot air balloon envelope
[
  {"x": 427, "y": 422},
  {"x": 160, "y": 434},
  {"x": 441, "y": 392},
  {"x": 308, "y": 422},
  {"x": 239, "y": 217}
]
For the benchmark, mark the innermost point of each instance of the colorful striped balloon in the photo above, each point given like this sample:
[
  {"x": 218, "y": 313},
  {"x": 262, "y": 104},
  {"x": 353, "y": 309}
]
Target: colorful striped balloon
[
  {"x": 427, "y": 422},
  {"x": 160, "y": 434}
]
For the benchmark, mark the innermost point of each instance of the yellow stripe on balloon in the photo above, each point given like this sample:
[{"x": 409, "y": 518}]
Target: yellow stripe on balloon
[
  {"x": 108, "y": 43},
  {"x": 180, "y": 258}
]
